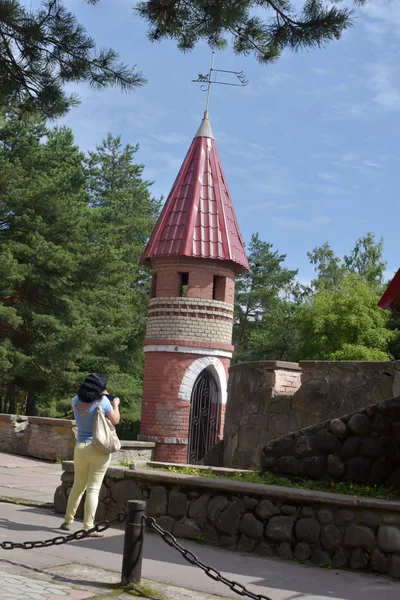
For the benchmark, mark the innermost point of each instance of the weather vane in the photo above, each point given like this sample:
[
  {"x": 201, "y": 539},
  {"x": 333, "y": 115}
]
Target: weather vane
[{"x": 208, "y": 80}]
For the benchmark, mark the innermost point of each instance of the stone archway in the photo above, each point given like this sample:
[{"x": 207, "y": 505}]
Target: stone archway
[
  {"x": 204, "y": 385},
  {"x": 215, "y": 366},
  {"x": 204, "y": 421}
]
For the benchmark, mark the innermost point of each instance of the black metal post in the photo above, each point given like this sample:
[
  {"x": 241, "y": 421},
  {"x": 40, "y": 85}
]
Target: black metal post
[{"x": 133, "y": 542}]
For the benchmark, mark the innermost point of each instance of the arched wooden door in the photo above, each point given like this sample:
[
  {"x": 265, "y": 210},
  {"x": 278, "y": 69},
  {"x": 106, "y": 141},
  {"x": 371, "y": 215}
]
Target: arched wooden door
[{"x": 204, "y": 417}]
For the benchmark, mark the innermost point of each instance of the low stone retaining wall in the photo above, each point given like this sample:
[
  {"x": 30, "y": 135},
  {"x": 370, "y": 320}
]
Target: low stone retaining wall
[
  {"x": 54, "y": 439},
  {"x": 322, "y": 528},
  {"x": 134, "y": 452},
  {"x": 50, "y": 439},
  {"x": 363, "y": 447}
]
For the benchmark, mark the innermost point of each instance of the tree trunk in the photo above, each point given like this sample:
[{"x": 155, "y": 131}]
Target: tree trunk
[
  {"x": 11, "y": 399},
  {"x": 30, "y": 405},
  {"x": 1, "y": 401}
]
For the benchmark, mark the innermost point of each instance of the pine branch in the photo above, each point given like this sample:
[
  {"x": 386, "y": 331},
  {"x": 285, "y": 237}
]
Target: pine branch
[
  {"x": 217, "y": 21},
  {"x": 41, "y": 50}
]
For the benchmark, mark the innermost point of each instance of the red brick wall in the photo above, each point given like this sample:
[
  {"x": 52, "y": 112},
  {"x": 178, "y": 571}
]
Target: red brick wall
[
  {"x": 163, "y": 413},
  {"x": 171, "y": 453},
  {"x": 201, "y": 277}
]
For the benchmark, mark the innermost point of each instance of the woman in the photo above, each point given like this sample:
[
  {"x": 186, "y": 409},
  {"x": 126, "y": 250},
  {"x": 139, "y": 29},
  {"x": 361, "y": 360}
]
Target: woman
[{"x": 90, "y": 465}]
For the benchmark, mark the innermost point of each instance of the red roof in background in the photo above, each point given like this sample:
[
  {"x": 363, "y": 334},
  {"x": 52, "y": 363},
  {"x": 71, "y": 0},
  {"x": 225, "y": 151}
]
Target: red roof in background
[
  {"x": 391, "y": 298},
  {"x": 198, "y": 218}
]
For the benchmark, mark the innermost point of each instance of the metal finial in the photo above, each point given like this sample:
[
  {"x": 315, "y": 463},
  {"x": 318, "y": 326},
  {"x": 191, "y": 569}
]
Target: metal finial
[{"x": 207, "y": 80}]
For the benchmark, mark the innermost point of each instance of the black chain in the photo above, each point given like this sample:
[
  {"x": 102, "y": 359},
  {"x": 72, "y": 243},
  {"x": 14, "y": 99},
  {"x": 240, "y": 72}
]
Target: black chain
[
  {"x": 64, "y": 539},
  {"x": 192, "y": 559}
]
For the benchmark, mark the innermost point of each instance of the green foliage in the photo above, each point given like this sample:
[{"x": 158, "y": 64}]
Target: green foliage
[
  {"x": 365, "y": 260},
  {"x": 335, "y": 318},
  {"x": 267, "y": 478},
  {"x": 276, "y": 336},
  {"x": 43, "y": 206},
  {"x": 394, "y": 344},
  {"x": 259, "y": 292},
  {"x": 122, "y": 216},
  {"x": 344, "y": 323},
  {"x": 263, "y": 28},
  {"x": 73, "y": 298},
  {"x": 42, "y": 50}
]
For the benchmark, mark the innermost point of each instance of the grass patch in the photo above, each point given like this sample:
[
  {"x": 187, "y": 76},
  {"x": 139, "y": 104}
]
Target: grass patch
[
  {"x": 337, "y": 487},
  {"x": 142, "y": 590}
]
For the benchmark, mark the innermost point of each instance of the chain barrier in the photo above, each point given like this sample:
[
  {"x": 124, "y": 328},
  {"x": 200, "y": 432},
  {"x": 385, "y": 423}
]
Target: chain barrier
[
  {"x": 151, "y": 523},
  {"x": 192, "y": 559},
  {"x": 64, "y": 539}
]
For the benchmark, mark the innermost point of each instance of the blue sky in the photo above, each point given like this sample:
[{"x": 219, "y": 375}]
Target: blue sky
[{"x": 310, "y": 148}]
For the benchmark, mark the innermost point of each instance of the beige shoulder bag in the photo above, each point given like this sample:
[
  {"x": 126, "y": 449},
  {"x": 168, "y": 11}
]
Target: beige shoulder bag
[{"x": 105, "y": 437}]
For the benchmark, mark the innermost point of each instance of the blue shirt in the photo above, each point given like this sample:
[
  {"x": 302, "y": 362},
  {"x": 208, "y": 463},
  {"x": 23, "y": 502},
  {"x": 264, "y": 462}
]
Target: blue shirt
[{"x": 84, "y": 418}]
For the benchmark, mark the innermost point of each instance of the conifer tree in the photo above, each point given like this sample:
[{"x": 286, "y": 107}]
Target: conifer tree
[
  {"x": 123, "y": 214},
  {"x": 43, "y": 49},
  {"x": 43, "y": 203}
]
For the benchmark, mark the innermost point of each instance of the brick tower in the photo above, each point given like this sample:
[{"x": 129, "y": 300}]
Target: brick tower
[{"x": 195, "y": 253}]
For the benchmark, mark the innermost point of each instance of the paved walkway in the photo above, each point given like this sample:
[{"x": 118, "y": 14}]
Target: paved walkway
[
  {"x": 15, "y": 587},
  {"x": 28, "y": 479},
  {"x": 93, "y": 566}
]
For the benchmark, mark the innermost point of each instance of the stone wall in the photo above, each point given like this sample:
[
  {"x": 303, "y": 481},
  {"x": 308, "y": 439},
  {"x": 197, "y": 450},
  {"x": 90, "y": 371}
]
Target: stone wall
[
  {"x": 50, "y": 439},
  {"x": 54, "y": 439},
  {"x": 363, "y": 447},
  {"x": 321, "y": 528},
  {"x": 268, "y": 399},
  {"x": 134, "y": 452},
  {"x": 259, "y": 409},
  {"x": 333, "y": 388}
]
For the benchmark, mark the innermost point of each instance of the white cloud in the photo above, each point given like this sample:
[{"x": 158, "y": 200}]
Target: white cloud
[
  {"x": 371, "y": 163},
  {"x": 271, "y": 204},
  {"x": 346, "y": 111},
  {"x": 381, "y": 18},
  {"x": 321, "y": 71},
  {"x": 348, "y": 157},
  {"x": 302, "y": 223},
  {"x": 271, "y": 81},
  {"x": 328, "y": 176},
  {"x": 384, "y": 81},
  {"x": 170, "y": 138}
]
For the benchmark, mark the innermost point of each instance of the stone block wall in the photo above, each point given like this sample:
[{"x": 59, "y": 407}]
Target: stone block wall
[
  {"x": 50, "y": 439},
  {"x": 259, "y": 408},
  {"x": 269, "y": 399},
  {"x": 316, "y": 527},
  {"x": 363, "y": 447},
  {"x": 135, "y": 452},
  {"x": 333, "y": 388},
  {"x": 54, "y": 439}
]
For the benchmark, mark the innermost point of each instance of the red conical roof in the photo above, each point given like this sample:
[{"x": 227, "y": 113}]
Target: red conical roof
[
  {"x": 391, "y": 298},
  {"x": 198, "y": 219}
]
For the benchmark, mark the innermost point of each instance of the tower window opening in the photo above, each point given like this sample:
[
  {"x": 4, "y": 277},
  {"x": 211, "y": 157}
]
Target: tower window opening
[
  {"x": 153, "y": 292},
  {"x": 219, "y": 283},
  {"x": 184, "y": 285}
]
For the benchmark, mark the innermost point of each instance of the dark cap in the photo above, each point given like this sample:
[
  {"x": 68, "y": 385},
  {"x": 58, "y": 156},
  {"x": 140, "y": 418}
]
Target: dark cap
[{"x": 92, "y": 388}]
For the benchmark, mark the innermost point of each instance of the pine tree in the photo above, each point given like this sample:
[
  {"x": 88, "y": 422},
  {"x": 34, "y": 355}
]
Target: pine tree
[
  {"x": 43, "y": 325},
  {"x": 258, "y": 293},
  {"x": 219, "y": 22},
  {"x": 42, "y": 50},
  {"x": 123, "y": 214}
]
